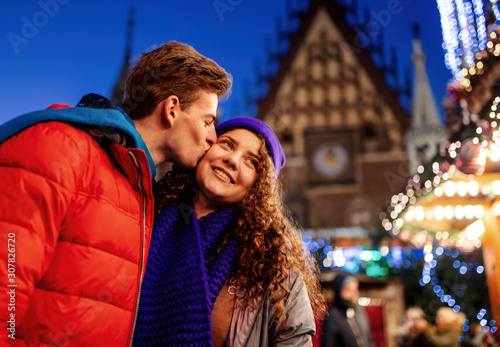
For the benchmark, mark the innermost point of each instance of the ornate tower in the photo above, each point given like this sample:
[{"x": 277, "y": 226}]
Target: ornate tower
[
  {"x": 426, "y": 133},
  {"x": 119, "y": 88}
]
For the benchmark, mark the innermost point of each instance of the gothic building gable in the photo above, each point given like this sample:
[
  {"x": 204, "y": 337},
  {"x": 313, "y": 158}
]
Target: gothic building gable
[
  {"x": 341, "y": 125},
  {"x": 324, "y": 80}
]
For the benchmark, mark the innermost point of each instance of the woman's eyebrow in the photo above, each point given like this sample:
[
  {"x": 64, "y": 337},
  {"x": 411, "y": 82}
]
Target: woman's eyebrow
[
  {"x": 253, "y": 155},
  {"x": 230, "y": 138},
  {"x": 236, "y": 143}
]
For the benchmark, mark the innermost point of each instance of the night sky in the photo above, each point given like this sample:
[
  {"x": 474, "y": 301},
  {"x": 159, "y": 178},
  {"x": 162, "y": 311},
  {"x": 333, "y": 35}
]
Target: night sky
[{"x": 55, "y": 51}]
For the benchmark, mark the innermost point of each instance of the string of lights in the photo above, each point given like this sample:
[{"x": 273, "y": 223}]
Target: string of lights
[
  {"x": 464, "y": 33},
  {"x": 450, "y": 31},
  {"x": 496, "y": 12},
  {"x": 430, "y": 277},
  {"x": 480, "y": 24}
]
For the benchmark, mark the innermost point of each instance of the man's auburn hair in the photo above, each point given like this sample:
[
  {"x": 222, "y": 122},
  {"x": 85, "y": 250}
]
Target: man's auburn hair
[{"x": 172, "y": 69}]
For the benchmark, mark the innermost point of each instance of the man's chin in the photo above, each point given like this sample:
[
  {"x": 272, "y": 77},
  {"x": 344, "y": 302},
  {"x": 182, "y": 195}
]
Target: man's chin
[
  {"x": 192, "y": 163},
  {"x": 199, "y": 160}
]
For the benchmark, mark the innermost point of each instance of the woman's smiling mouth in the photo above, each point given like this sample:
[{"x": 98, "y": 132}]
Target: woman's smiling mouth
[{"x": 223, "y": 175}]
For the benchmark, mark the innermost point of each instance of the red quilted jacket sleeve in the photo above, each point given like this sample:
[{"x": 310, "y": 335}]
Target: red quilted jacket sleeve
[{"x": 39, "y": 170}]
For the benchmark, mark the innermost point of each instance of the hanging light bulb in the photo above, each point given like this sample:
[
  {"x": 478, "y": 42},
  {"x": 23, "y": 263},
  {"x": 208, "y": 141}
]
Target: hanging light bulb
[
  {"x": 475, "y": 230},
  {"x": 459, "y": 212},
  {"x": 449, "y": 188},
  {"x": 439, "y": 212},
  {"x": 461, "y": 188},
  {"x": 473, "y": 188},
  {"x": 494, "y": 152}
]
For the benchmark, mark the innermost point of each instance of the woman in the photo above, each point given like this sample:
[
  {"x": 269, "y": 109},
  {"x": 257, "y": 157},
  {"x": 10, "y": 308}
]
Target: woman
[{"x": 226, "y": 266}]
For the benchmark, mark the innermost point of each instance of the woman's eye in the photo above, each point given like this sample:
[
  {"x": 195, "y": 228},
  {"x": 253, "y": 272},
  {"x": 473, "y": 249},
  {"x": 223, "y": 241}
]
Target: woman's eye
[{"x": 228, "y": 144}]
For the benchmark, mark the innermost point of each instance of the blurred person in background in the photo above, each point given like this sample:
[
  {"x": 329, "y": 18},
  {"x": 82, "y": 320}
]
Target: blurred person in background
[
  {"x": 477, "y": 337},
  {"x": 346, "y": 324},
  {"x": 408, "y": 334},
  {"x": 445, "y": 333}
]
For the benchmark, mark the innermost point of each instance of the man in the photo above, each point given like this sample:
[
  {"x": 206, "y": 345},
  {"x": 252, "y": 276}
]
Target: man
[
  {"x": 76, "y": 205},
  {"x": 346, "y": 324}
]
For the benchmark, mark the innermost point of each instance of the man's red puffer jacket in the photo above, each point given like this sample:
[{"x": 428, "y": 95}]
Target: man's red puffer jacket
[{"x": 79, "y": 216}]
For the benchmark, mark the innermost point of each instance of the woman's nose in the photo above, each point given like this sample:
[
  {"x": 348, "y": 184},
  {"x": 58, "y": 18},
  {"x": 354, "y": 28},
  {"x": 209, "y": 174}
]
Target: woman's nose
[{"x": 231, "y": 160}]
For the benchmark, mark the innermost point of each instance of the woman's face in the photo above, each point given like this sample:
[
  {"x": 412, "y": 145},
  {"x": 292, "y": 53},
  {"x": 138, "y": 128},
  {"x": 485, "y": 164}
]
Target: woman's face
[{"x": 229, "y": 169}]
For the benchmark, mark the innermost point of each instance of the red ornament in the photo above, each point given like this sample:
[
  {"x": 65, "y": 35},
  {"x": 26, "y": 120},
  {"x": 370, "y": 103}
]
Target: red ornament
[
  {"x": 486, "y": 128},
  {"x": 456, "y": 90},
  {"x": 471, "y": 158},
  {"x": 444, "y": 167}
]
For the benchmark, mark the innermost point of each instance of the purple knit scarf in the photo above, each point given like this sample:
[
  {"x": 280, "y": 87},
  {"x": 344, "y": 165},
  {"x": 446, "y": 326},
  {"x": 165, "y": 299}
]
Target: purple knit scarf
[{"x": 180, "y": 286}]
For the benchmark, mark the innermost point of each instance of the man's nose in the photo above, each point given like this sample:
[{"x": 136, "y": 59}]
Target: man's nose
[{"x": 211, "y": 135}]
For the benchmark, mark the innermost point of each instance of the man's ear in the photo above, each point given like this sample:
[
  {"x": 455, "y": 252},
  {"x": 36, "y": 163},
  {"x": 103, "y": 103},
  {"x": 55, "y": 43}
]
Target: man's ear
[{"x": 170, "y": 110}]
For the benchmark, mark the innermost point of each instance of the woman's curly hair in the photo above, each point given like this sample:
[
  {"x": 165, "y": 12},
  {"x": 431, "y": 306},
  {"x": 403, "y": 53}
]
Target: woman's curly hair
[{"x": 270, "y": 247}]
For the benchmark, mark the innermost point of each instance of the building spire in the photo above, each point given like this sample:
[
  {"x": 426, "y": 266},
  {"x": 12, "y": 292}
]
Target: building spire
[
  {"x": 130, "y": 31},
  {"x": 119, "y": 88},
  {"x": 424, "y": 110},
  {"x": 426, "y": 131}
]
